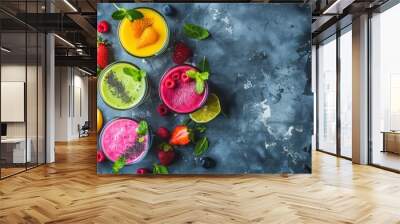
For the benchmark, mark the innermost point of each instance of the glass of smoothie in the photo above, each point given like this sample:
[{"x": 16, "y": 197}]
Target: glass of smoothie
[
  {"x": 182, "y": 97},
  {"x": 120, "y": 90},
  {"x": 145, "y": 37},
  {"x": 118, "y": 138}
]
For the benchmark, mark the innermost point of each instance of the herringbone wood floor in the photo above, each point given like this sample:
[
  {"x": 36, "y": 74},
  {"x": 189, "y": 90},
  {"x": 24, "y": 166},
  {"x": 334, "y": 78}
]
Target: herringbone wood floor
[{"x": 69, "y": 191}]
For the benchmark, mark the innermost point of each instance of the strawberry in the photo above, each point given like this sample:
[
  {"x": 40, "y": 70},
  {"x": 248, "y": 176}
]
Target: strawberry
[
  {"x": 162, "y": 132},
  {"x": 100, "y": 156},
  {"x": 185, "y": 78},
  {"x": 166, "y": 154},
  {"x": 181, "y": 135},
  {"x": 103, "y": 27},
  {"x": 143, "y": 171},
  {"x": 162, "y": 110},
  {"x": 181, "y": 53},
  {"x": 102, "y": 53},
  {"x": 169, "y": 83},
  {"x": 148, "y": 37}
]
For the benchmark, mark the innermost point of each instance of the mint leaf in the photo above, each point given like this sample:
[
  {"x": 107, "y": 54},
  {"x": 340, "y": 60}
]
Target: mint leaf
[
  {"x": 136, "y": 74},
  {"x": 191, "y": 74},
  {"x": 199, "y": 85},
  {"x": 133, "y": 14},
  {"x": 204, "y": 76},
  {"x": 119, "y": 14},
  {"x": 199, "y": 78},
  {"x": 142, "y": 128},
  {"x": 200, "y": 128},
  {"x": 160, "y": 169},
  {"x": 187, "y": 121},
  {"x": 203, "y": 65},
  {"x": 195, "y": 32},
  {"x": 201, "y": 146},
  {"x": 118, "y": 165}
]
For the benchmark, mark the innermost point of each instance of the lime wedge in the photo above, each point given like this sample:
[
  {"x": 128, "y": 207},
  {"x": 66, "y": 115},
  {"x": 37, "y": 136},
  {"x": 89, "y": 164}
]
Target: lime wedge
[{"x": 209, "y": 111}]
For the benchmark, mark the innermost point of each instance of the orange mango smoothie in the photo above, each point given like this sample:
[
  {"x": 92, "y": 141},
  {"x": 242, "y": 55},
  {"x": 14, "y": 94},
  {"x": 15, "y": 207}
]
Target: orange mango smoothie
[{"x": 145, "y": 37}]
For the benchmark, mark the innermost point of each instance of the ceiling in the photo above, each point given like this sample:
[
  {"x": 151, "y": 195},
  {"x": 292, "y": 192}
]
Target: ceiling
[{"x": 72, "y": 20}]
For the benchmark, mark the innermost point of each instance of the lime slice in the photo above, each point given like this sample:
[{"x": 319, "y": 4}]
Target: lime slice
[{"x": 209, "y": 111}]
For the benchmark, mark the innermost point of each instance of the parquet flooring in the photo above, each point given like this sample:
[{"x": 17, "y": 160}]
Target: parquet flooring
[{"x": 69, "y": 191}]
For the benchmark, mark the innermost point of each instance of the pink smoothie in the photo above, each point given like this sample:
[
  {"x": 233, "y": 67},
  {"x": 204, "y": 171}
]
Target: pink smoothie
[
  {"x": 119, "y": 136},
  {"x": 183, "y": 97}
]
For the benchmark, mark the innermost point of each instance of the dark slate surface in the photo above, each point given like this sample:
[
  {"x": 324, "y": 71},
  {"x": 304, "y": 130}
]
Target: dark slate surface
[{"x": 260, "y": 61}]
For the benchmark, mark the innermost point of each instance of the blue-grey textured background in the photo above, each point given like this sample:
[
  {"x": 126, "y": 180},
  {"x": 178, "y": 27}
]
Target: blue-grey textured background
[{"x": 260, "y": 58}]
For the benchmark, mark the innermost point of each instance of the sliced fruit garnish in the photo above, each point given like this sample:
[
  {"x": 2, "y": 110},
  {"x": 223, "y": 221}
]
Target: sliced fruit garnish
[
  {"x": 181, "y": 135},
  {"x": 148, "y": 37},
  {"x": 209, "y": 111},
  {"x": 99, "y": 120},
  {"x": 139, "y": 25},
  {"x": 169, "y": 83},
  {"x": 176, "y": 76},
  {"x": 185, "y": 78}
]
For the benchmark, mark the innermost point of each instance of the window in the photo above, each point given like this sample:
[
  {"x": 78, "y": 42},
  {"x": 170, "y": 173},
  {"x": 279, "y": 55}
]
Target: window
[
  {"x": 22, "y": 101},
  {"x": 346, "y": 93},
  {"x": 327, "y": 96},
  {"x": 385, "y": 89}
]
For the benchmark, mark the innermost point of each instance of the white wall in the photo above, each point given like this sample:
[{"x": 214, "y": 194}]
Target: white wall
[
  {"x": 16, "y": 73},
  {"x": 61, "y": 103},
  {"x": 71, "y": 93},
  {"x": 33, "y": 127}
]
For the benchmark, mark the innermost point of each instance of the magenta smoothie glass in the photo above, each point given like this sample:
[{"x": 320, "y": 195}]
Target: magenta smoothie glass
[
  {"x": 177, "y": 91},
  {"x": 118, "y": 138}
]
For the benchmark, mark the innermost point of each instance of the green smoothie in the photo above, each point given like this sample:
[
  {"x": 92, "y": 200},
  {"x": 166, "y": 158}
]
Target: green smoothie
[{"x": 121, "y": 87}]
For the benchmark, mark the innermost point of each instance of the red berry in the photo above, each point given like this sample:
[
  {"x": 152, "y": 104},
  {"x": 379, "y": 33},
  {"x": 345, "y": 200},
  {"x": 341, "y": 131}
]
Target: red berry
[
  {"x": 185, "y": 78},
  {"x": 162, "y": 110},
  {"x": 180, "y": 135},
  {"x": 175, "y": 76},
  {"x": 100, "y": 157},
  {"x": 102, "y": 55},
  {"x": 103, "y": 27},
  {"x": 143, "y": 171},
  {"x": 166, "y": 154},
  {"x": 169, "y": 83},
  {"x": 163, "y": 132},
  {"x": 181, "y": 53}
]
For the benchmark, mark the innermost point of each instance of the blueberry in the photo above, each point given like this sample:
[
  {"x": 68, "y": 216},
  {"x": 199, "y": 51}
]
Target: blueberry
[
  {"x": 168, "y": 10},
  {"x": 208, "y": 163}
]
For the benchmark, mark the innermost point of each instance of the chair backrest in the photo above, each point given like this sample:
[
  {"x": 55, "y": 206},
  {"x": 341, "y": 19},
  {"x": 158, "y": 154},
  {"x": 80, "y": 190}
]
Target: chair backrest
[{"x": 86, "y": 125}]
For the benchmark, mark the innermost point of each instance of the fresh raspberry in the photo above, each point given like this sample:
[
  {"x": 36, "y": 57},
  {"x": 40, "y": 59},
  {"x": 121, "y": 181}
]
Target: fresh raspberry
[
  {"x": 181, "y": 53},
  {"x": 103, "y": 27},
  {"x": 169, "y": 83},
  {"x": 185, "y": 78},
  {"x": 100, "y": 157},
  {"x": 162, "y": 110},
  {"x": 162, "y": 132},
  {"x": 143, "y": 171},
  {"x": 175, "y": 76}
]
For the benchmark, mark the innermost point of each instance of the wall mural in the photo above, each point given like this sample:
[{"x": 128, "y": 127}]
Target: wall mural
[{"x": 205, "y": 88}]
